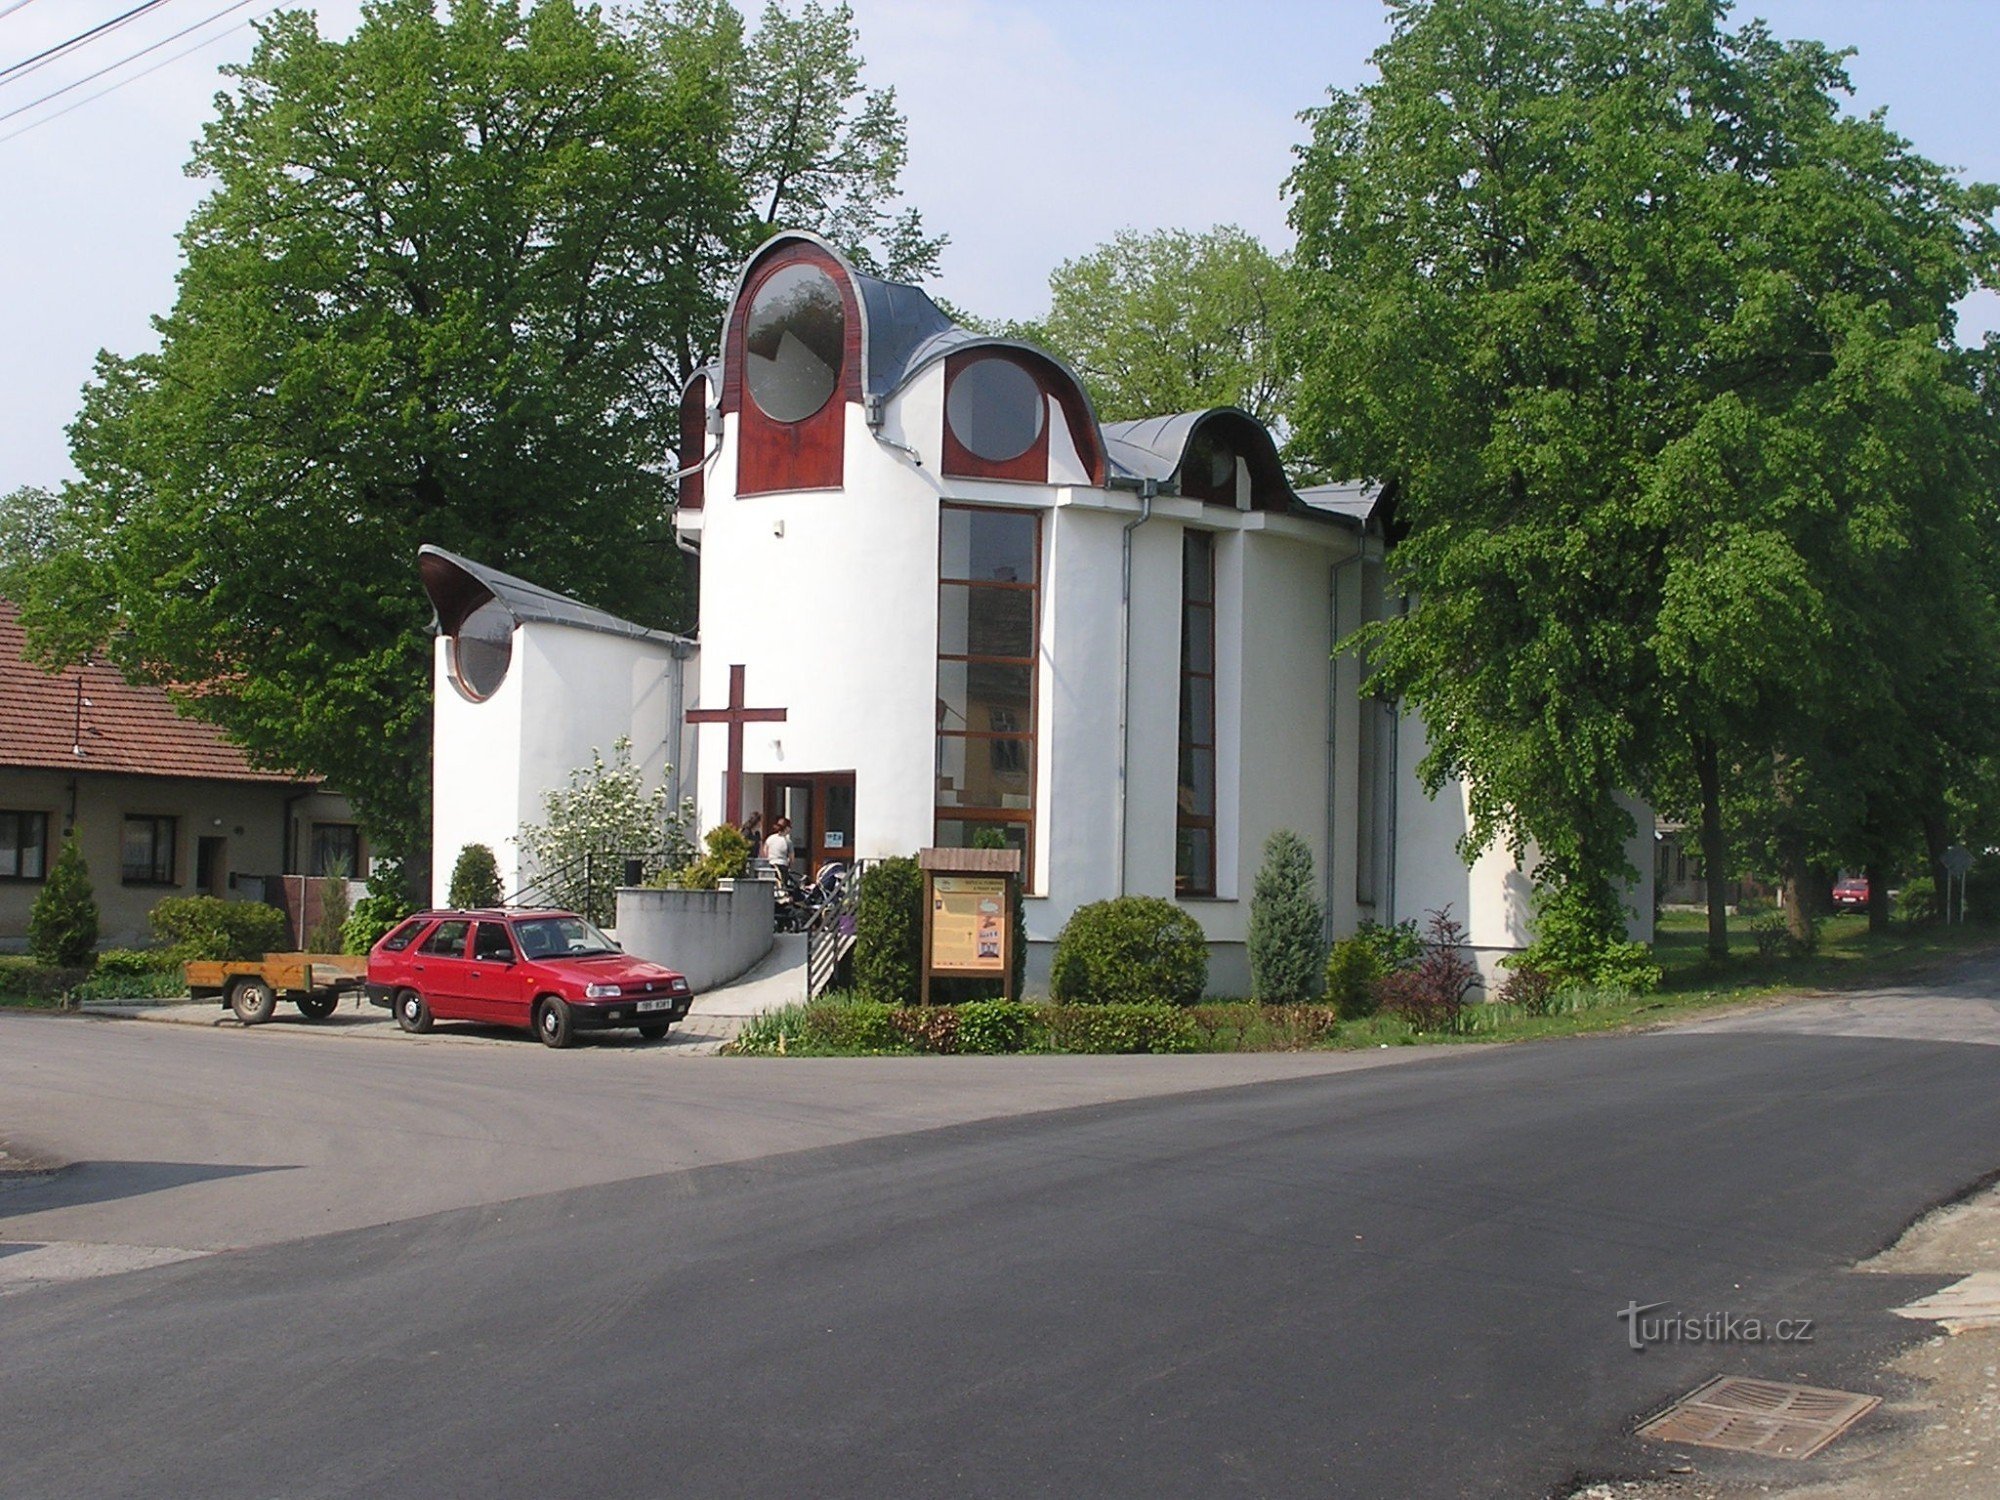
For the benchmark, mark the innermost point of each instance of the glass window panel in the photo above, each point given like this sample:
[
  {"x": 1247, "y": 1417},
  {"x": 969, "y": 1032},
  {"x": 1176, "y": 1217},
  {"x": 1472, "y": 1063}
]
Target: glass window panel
[
  {"x": 448, "y": 941},
  {"x": 794, "y": 343},
  {"x": 10, "y": 844},
  {"x": 1194, "y": 860},
  {"x": 491, "y": 943},
  {"x": 958, "y": 833},
  {"x": 35, "y": 848},
  {"x": 1198, "y": 567},
  {"x": 986, "y": 773},
  {"x": 996, "y": 409},
  {"x": 986, "y": 622},
  {"x": 997, "y": 698},
  {"x": 1197, "y": 791},
  {"x": 1197, "y": 639},
  {"x": 990, "y": 546},
  {"x": 481, "y": 648}
]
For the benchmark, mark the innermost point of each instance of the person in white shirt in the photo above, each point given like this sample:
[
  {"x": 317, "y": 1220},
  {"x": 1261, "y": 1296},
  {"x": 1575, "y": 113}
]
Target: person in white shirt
[{"x": 778, "y": 847}]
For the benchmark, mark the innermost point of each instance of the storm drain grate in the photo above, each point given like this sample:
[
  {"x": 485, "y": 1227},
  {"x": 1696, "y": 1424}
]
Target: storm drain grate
[{"x": 1760, "y": 1416}]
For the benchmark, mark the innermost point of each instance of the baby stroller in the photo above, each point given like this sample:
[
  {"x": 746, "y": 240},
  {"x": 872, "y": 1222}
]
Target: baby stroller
[{"x": 796, "y": 904}]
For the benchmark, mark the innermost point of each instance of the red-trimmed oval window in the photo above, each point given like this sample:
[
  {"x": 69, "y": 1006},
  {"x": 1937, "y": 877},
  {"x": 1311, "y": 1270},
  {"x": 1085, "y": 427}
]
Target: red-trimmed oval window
[
  {"x": 996, "y": 409},
  {"x": 793, "y": 342},
  {"x": 481, "y": 649}
]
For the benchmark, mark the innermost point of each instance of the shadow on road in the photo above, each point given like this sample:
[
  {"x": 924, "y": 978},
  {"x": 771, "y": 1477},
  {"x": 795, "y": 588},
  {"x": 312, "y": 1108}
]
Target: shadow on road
[{"x": 104, "y": 1181}]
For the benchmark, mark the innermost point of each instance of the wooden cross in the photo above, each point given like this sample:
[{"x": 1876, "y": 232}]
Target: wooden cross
[{"x": 735, "y": 716}]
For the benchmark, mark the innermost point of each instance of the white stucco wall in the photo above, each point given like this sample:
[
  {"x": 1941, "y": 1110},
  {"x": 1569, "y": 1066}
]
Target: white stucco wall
[{"x": 567, "y": 692}]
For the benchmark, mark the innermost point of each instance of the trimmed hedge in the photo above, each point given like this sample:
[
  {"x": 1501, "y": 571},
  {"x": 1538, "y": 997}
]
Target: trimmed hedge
[
  {"x": 888, "y": 931},
  {"x": 24, "y": 978},
  {"x": 1130, "y": 950},
  {"x": 203, "y": 927},
  {"x": 854, "y": 1026}
]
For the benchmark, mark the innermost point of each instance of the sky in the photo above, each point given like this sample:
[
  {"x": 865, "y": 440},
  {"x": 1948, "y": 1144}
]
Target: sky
[{"x": 1037, "y": 130}]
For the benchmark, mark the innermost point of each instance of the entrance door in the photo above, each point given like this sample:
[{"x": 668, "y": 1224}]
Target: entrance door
[
  {"x": 211, "y": 867},
  {"x": 821, "y": 808}
]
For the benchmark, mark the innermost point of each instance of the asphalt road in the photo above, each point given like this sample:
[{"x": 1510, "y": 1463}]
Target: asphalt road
[{"x": 1325, "y": 1279}]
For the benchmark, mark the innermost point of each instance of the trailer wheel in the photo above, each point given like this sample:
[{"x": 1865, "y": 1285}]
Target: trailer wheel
[
  {"x": 318, "y": 1007},
  {"x": 253, "y": 1001}
]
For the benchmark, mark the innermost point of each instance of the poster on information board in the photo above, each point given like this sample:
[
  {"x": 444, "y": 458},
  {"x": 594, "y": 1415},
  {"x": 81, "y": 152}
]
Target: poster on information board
[{"x": 969, "y": 897}]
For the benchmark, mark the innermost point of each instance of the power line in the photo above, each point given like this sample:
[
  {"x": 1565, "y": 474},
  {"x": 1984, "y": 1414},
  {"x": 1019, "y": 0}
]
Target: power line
[
  {"x": 4, "y": 14},
  {"x": 121, "y": 83},
  {"x": 22, "y": 109},
  {"x": 28, "y": 65}
]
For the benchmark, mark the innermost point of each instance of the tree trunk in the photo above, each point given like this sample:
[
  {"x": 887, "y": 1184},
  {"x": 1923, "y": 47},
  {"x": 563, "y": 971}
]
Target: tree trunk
[
  {"x": 1794, "y": 873},
  {"x": 1708, "y": 773},
  {"x": 1878, "y": 895},
  {"x": 1937, "y": 839}
]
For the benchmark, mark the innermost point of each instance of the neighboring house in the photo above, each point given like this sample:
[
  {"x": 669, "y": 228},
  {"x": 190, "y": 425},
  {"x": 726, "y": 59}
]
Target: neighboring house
[
  {"x": 939, "y": 597},
  {"x": 162, "y": 805}
]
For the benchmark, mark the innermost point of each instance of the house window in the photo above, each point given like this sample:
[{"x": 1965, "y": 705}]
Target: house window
[
  {"x": 1194, "y": 842},
  {"x": 989, "y": 566},
  {"x": 149, "y": 849},
  {"x": 24, "y": 845},
  {"x": 336, "y": 849}
]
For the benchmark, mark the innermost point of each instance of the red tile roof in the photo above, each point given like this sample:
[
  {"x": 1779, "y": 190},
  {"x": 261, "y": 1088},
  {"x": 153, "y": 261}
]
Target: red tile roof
[{"x": 128, "y": 729}]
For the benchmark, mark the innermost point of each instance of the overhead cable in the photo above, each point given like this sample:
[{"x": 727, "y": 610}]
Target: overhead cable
[
  {"x": 49, "y": 54},
  {"x": 121, "y": 83},
  {"x": 22, "y": 109}
]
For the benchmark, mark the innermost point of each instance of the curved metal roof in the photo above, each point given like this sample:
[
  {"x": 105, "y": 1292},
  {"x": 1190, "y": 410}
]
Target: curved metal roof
[{"x": 458, "y": 585}]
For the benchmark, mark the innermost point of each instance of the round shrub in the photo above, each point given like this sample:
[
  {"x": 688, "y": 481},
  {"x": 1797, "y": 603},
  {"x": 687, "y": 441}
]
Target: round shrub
[
  {"x": 62, "y": 924},
  {"x": 1130, "y": 950},
  {"x": 130, "y": 963},
  {"x": 888, "y": 932},
  {"x": 475, "y": 879}
]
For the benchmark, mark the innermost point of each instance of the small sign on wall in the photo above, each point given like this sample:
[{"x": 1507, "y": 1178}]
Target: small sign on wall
[{"x": 969, "y": 897}]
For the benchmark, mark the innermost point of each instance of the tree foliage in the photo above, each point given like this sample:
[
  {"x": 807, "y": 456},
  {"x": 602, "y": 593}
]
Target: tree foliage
[
  {"x": 1174, "y": 321},
  {"x": 1655, "y": 345},
  {"x": 448, "y": 279}
]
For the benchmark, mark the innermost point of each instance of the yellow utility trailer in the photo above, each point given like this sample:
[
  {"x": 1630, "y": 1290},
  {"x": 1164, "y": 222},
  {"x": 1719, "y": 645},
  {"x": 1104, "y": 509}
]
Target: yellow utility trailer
[{"x": 252, "y": 987}]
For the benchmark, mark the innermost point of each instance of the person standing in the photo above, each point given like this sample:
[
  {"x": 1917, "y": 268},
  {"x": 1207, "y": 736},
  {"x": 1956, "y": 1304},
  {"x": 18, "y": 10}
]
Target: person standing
[
  {"x": 778, "y": 847},
  {"x": 753, "y": 830}
]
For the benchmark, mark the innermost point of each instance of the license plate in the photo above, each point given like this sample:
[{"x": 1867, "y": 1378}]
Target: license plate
[{"x": 645, "y": 1005}]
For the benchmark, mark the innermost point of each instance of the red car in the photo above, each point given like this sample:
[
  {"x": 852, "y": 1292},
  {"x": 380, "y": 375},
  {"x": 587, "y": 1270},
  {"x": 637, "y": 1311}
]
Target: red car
[
  {"x": 1851, "y": 894},
  {"x": 549, "y": 972}
]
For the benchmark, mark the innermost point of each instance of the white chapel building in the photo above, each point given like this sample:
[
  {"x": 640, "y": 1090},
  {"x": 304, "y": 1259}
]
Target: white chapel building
[{"x": 939, "y": 596}]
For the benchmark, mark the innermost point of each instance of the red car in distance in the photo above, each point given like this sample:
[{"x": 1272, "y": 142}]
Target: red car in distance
[
  {"x": 549, "y": 972},
  {"x": 1851, "y": 894}
]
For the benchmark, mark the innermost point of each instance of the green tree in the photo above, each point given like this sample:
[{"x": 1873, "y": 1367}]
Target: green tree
[
  {"x": 29, "y": 528},
  {"x": 1174, "y": 321},
  {"x": 1639, "y": 326},
  {"x": 1288, "y": 949},
  {"x": 62, "y": 924},
  {"x": 445, "y": 286}
]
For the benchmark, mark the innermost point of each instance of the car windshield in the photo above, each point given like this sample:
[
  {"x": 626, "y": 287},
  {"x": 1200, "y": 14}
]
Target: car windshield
[{"x": 561, "y": 937}]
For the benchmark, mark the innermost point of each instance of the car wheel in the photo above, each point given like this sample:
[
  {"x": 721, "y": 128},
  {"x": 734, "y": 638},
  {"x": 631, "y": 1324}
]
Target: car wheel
[
  {"x": 413, "y": 1012},
  {"x": 553, "y": 1024},
  {"x": 253, "y": 1001},
  {"x": 318, "y": 1007},
  {"x": 652, "y": 1031}
]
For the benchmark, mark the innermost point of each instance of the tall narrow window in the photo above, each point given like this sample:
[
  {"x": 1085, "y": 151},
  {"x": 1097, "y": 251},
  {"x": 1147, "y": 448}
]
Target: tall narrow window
[
  {"x": 989, "y": 571},
  {"x": 1194, "y": 855}
]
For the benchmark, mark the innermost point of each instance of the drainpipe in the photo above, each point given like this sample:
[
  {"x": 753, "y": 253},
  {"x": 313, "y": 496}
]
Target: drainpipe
[
  {"x": 1333, "y": 593},
  {"x": 1148, "y": 488},
  {"x": 1395, "y": 783}
]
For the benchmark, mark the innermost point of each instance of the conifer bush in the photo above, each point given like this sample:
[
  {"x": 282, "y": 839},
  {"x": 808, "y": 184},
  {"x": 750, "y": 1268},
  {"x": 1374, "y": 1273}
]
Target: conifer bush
[
  {"x": 475, "y": 879},
  {"x": 1130, "y": 950},
  {"x": 62, "y": 926},
  {"x": 1287, "y": 953},
  {"x": 888, "y": 932}
]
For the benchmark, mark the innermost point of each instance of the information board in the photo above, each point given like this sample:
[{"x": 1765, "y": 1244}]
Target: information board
[{"x": 968, "y": 924}]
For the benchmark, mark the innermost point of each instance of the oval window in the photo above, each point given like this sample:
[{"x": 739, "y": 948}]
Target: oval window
[
  {"x": 481, "y": 649},
  {"x": 995, "y": 409},
  {"x": 794, "y": 342}
]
